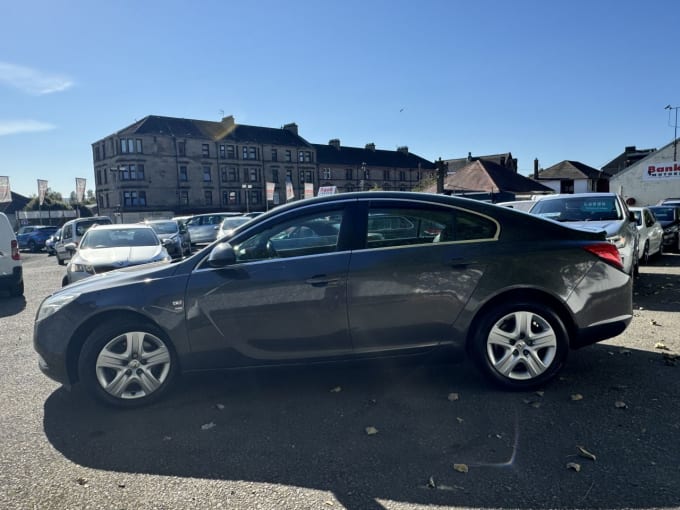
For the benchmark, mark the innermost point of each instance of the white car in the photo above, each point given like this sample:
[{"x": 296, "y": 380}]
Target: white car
[
  {"x": 230, "y": 224},
  {"x": 11, "y": 272},
  {"x": 596, "y": 212},
  {"x": 105, "y": 248},
  {"x": 651, "y": 233}
]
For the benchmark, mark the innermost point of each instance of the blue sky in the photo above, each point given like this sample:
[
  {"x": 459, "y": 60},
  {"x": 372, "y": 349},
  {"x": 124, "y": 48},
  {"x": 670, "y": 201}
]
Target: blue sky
[{"x": 552, "y": 80}]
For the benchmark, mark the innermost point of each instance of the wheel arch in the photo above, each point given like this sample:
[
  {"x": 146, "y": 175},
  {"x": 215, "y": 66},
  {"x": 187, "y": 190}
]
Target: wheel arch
[
  {"x": 517, "y": 295},
  {"x": 83, "y": 331}
]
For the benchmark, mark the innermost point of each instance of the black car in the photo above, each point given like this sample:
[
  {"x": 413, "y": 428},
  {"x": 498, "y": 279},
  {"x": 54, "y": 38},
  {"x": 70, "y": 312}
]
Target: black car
[
  {"x": 669, "y": 217},
  {"x": 515, "y": 291}
]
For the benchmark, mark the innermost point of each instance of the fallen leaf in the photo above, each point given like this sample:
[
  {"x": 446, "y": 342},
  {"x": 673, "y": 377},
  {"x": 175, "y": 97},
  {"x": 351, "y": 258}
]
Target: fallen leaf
[
  {"x": 431, "y": 484},
  {"x": 577, "y": 396},
  {"x": 220, "y": 407},
  {"x": 371, "y": 431},
  {"x": 661, "y": 346},
  {"x": 620, "y": 404},
  {"x": 167, "y": 438},
  {"x": 453, "y": 397},
  {"x": 461, "y": 468},
  {"x": 540, "y": 393},
  {"x": 574, "y": 466},
  {"x": 121, "y": 485},
  {"x": 654, "y": 323},
  {"x": 459, "y": 420},
  {"x": 337, "y": 389},
  {"x": 82, "y": 481},
  {"x": 585, "y": 453},
  {"x": 328, "y": 503},
  {"x": 208, "y": 426}
]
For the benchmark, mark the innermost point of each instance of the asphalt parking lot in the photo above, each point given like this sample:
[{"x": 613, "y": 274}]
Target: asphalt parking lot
[{"x": 418, "y": 434}]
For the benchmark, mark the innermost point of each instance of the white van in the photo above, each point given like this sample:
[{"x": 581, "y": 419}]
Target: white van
[
  {"x": 11, "y": 273},
  {"x": 72, "y": 232}
]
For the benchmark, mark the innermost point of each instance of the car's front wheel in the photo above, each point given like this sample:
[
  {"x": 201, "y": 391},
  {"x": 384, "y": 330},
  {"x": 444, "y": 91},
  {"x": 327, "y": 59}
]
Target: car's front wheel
[
  {"x": 520, "y": 345},
  {"x": 127, "y": 363},
  {"x": 645, "y": 254}
]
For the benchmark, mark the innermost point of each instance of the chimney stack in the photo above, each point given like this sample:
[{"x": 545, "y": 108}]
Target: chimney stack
[
  {"x": 292, "y": 127},
  {"x": 536, "y": 168},
  {"x": 370, "y": 147},
  {"x": 228, "y": 122},
  {"x": 335, "y": 142},
  {"x": 403, "y": 149}
]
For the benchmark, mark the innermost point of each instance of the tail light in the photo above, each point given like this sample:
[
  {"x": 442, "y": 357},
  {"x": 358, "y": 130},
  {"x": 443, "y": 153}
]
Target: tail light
[
  {"x": 607, "y": 252},
  {"x": 15, "y": 250}
]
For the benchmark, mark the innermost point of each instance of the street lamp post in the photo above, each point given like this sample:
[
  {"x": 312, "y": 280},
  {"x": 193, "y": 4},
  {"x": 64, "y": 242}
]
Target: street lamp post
[
  {"x": 247, "y": 187},
  {"x": 675, "y": 134}
]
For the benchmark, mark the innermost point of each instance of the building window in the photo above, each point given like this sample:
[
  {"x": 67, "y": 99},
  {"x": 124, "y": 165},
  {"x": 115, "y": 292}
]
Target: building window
[
  {"x": 138, "y": 141},
  {"x": 251, "y": 175},
  {"x": 223, "y": 152},
  {"x": 231, "y": 152},
  {"x": 304, "y": 156},
  {"x": 134, "y": 199},
  {"x": 386, "y": 175},
  {"x": 205, "y": 151},
  {"x": 207, "y": 174},
  {"x": 230, "y": 198},
  {"x": 103, "y": 150},
  {"x": 402, "y": 175},
  {"x": 289, "y": 156},
  {"x": 289, "y": 174},
  {"x": 350, "y": 187},
  {"x": 96, "y": 153},
  {"x": 275, "y": 174},
  {"x": 327, "y": 173},
  {"x": 130, "y": 145},
  {"x": 233, "y": 174},
  {"x": 207, "y": 194},
  {"x": 348, "y": 174},
  {"x": 275, "y": 155},
  {"x": 183, "y": 174},
  {"x": 181, "y": 148},
  {"x": 306, "y": 176},
  {"x": 131, "y": 172},
  {"x": 249, "y": 153},
  {"x": 184, "y": 197}
]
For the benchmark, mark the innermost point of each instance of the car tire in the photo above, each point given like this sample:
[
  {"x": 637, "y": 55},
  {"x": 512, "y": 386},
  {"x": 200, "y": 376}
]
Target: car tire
[
  {"x": 17, "y": 290},
  {"x": 505, "y": 345},
  {"x": 645, "y": 255},
  {"x": 60, "y": 261},
  {"x": 127, "y": 363},
  {"x": 32, "y": 247}
]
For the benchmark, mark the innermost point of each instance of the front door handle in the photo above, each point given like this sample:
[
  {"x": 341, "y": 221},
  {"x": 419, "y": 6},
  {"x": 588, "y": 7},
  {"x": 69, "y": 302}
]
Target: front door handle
[{"x": 321, "y": 281}]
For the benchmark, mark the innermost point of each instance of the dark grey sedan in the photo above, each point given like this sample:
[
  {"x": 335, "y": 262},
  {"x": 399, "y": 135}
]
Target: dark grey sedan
[{"x": 310, "y": 282}]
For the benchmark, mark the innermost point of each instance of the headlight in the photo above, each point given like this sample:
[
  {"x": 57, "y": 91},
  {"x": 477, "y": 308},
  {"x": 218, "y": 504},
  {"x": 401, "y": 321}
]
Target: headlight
[
  {"x": 618, "y": 241},
  {"x": 53, "y": 304},
  {"x": 81, "y": 268}
]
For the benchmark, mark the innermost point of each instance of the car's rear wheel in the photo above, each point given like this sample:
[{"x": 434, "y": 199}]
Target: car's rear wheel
[
  {"x": 127, "y": 363},
  {"x": 520, "y": 345},
  {"x": 32, "y": 247},
  {"x": 17, "y": 289},
  {"x": 645, "y": 254}
]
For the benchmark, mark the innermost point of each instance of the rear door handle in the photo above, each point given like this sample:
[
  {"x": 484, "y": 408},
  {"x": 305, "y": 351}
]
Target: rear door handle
[{"x": 321, "y": 281}]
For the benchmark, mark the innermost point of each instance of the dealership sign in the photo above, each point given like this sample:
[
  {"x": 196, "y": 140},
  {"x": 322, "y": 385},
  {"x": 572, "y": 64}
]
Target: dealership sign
[{"x": 661, "y": 171}]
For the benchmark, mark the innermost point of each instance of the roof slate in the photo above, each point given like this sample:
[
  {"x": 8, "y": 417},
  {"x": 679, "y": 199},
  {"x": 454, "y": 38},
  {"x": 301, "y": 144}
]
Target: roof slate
[
  {"x": 355, "y": 156},
  {"x": 491, "y": 177},
  {"x": 216, "y": 131},
  {"x": 571, "y": 170}
]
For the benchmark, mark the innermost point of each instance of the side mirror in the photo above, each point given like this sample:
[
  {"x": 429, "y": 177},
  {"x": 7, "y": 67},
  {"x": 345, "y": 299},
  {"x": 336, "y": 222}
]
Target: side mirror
[
  {"x": 222, "y": 255},
  {"x": 167, "y": 242},
  {"x": 71, "y": 248}
]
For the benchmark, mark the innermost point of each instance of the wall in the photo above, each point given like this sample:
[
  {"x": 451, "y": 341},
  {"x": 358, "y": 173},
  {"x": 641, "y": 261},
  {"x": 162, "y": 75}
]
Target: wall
[{"x": 630, "y": 183}]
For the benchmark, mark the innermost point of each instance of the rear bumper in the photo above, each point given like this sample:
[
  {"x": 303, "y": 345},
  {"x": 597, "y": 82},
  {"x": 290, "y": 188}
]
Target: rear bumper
[
  {"x": 598, "y": 332},
  {"x": 13, "y": 278}
]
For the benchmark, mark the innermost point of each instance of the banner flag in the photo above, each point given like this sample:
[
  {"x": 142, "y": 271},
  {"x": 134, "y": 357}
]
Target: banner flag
[
  {"x": 270, "y": 191},
  {"x": 42, "y": 190},
  {"x": 5, "y": 191},
  {"x": 309, "y": 190},
  {"x": 290, "y": 192},
  {"x": 80, "y": 189}
]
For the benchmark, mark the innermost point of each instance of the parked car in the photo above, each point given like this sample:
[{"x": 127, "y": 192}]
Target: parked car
[
  {"x": 34, "y": 240},
  {"x": 203, "y": 227},
  {"x": 174, "y": 235},
  {"x": 514, "y": 290},
  {"x": 669, "y": 217},
  {"x": 72, "y": 232},
  {"x": 230, "y": 224},
  {"x": 104, "y": 248},
  {"x": 50, "y": 243},
  {"x": 651, "y": 233},
  {"x": 596, "y": 212},
  {"x": 11, "y": 270},
  {"x": 670, "y": 201},
  {"x": 520, "y": 205}
]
